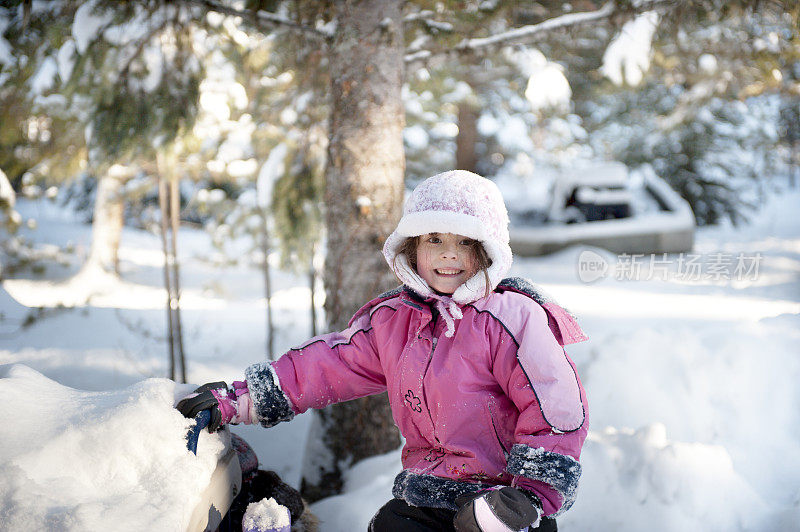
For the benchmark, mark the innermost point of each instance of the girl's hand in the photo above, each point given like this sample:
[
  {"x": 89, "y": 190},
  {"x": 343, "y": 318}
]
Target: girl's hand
[
  {"x": 226, "y": 405},
  {"x": 503, "y": 508}
]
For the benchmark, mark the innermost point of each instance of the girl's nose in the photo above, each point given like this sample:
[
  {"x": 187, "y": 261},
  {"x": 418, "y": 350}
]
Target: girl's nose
[{"x": 449, "y": 252}]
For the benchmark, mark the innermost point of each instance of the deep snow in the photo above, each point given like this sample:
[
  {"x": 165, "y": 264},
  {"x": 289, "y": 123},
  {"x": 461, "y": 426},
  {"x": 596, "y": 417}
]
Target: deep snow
[
  {"x": 75, "y": 460},
  {"x": 691, "y": 383}
]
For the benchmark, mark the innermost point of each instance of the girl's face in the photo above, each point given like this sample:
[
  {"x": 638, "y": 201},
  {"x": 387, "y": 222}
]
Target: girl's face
[{"x": 445, "y": 261}]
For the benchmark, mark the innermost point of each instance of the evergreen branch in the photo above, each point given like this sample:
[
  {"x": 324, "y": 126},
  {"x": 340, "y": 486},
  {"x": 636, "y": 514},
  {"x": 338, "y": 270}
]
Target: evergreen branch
[
  {"x": 140, "y": 47},
  {"x": 528, "y": 34},
  {"x": 262, "y": 19}
]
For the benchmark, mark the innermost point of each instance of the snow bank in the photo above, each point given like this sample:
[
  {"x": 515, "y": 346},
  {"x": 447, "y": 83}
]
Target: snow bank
[
  {"x": 368, "y": 486},
  {"x": 640, "y": 480},
  {"x": 75, "y": 460}
]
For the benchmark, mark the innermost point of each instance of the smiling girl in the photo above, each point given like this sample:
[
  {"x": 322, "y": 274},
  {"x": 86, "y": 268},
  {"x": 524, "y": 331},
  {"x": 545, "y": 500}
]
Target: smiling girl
[{"x": 491, "y": 408}]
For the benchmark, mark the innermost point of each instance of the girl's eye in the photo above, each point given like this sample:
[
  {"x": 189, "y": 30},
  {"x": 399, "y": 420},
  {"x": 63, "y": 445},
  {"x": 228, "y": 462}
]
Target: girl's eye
[
  {"x": 434, "y": 240},
  {"x": 467, "y": 242}
]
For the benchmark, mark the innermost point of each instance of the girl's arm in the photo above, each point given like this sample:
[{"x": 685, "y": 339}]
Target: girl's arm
[
  {"x": 537, "y": 375},
  {"x": 327, "y": 369}
]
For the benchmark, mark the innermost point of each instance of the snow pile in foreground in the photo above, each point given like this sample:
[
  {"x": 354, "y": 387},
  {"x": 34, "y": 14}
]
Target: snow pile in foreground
[{"x": 75, "y": 460}]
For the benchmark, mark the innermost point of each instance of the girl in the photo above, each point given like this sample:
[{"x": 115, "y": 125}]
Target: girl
[{"x": 491, "y": 407}]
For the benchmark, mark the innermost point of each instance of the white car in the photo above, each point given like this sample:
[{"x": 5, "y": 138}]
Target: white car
[{"x": 605, "y": 206}]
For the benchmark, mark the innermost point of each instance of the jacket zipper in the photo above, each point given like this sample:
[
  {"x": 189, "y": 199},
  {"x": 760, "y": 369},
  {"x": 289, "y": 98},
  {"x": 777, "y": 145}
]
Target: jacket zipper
[
  {"x": 434, "y": 341},
  {"x": 434, "y": 338},
  {"x": 496, "y": 434}
]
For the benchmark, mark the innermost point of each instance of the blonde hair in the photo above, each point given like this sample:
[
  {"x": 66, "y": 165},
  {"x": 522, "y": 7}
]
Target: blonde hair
[{"x": 482, "y": 260}]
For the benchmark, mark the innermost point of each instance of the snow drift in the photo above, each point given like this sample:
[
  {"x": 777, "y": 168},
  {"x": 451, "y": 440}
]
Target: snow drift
[{"x": 75, "y": 460}]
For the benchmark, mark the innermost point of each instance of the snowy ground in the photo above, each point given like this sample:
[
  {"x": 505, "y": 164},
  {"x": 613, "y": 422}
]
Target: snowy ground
[{"x": 691, "y": 380}]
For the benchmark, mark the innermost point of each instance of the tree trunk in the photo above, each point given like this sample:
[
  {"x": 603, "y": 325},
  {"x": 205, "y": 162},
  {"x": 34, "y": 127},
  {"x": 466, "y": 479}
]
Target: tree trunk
[
  {"x": 467, "y": 138},
  {"x": 312, "y": 282},
  {"x": 163, "y": 206},
  {"x": 174, "y": 216},
  {"x": 270, "y": 342},
  {"x": 170, "y": 205},
  {"x": 364, "y": 193},
  {"x": 109, "y": 208}
]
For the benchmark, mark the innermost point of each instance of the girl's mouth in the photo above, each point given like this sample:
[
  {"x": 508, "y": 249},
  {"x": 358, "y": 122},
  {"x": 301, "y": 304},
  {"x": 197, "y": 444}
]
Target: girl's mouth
[{"x": 448, "y": 271}]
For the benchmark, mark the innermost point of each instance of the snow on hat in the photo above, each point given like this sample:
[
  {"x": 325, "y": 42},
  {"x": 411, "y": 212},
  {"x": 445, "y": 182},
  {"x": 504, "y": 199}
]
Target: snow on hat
[{"x": 461, "y": 203}]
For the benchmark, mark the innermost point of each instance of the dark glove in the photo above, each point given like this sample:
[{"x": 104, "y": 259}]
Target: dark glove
[
  {"x": 494, "y": 509},
  {"x": 204, "y": 398}
]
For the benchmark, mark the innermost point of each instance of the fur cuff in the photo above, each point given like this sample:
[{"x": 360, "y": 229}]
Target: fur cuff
[
  {"x": 418, "y": 489},
  {"x": 271, "y": 404},
  {"x": 559, "y": 471}
]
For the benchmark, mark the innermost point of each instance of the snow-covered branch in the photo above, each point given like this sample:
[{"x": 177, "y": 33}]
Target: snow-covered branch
[
  {"x": 419, "y": 15},
  {"x": 262, "y": 19},
  {"x": 525, "y": 33},
  {"x": 528, "y": 34},
  {"x": 427, "y": 18},
  {"x": 140, "y": 46}
]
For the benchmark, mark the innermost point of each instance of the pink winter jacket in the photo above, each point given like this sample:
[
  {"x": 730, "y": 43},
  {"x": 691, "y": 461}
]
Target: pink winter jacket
[{"x": 498, "y": 403}]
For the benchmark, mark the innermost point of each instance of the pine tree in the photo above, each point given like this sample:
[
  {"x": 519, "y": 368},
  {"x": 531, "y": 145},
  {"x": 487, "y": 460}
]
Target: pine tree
[{"x": 704, "y": 116}]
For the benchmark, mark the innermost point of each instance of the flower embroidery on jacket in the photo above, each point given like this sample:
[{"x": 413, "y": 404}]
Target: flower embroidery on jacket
[
  {"x": 413, "y": 401},
  {"x": 434, "y": 455},
  {"x": 457, "y": 471}
]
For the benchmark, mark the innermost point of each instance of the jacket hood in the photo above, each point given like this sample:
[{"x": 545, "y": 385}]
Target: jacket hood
[{"x": 457, "y": 202}]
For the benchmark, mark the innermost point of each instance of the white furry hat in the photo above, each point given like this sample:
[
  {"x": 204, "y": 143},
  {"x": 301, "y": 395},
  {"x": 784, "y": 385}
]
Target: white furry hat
[{"x": 461, "y": 203}]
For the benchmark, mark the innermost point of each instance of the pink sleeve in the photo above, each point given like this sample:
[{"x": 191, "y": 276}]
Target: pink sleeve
[
  {"x": 332, "y": 368},
  {"x": 540, "y": 379}
]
